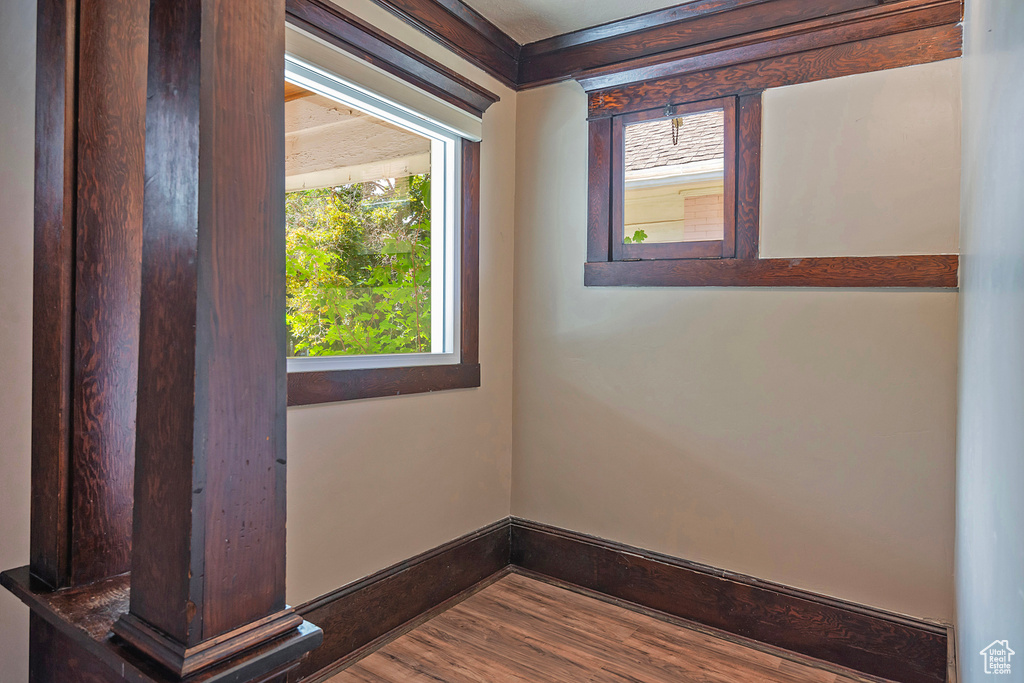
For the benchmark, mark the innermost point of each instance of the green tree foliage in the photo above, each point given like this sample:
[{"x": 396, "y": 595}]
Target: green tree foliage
[{"x": 359, "y": 268}]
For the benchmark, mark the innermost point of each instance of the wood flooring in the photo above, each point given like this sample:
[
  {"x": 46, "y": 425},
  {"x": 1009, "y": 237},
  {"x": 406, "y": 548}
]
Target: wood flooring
[{"x": 521, "y": 630}]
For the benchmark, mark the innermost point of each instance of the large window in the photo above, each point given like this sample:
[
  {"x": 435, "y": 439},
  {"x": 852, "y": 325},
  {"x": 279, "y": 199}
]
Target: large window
[
  {"x": 372, "y": 229},
  {"x": 382, "y": 182}
]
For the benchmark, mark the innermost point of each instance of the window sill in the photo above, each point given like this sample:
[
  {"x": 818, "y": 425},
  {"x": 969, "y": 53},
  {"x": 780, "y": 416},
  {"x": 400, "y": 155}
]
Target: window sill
[
  {"x": 310, "y": 388},
  {"x": 936, "y": 271}
]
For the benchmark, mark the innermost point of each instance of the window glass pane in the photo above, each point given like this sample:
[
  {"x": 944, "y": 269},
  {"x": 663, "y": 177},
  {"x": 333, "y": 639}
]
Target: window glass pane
[
  {"x": 675, "y": 179},
  {"x": 358, "y": 225}
]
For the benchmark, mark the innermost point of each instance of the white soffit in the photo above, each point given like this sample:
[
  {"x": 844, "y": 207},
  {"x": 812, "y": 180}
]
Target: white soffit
[
  {"x": 531, "y": 20},
  {"x": 382, "y": 84}
]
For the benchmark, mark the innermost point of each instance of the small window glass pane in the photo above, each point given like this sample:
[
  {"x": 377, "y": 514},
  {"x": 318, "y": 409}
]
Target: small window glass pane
[
  {"x": 358, "y": 226},
  {"x": 675, "y": 179}
]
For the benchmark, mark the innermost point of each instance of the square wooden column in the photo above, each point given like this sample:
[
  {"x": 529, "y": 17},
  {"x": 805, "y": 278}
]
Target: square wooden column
[{"x": 208, "y": 556}]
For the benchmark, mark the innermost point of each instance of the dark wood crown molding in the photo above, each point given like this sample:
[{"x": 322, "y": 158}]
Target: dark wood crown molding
[
  {"x": 908, "y": 18},
  {"x": 465, "y": 32},
  {"x": 693, "y": 36},
  {"x": 871, "y": 54},
  {"x": 347, "y": 32}
]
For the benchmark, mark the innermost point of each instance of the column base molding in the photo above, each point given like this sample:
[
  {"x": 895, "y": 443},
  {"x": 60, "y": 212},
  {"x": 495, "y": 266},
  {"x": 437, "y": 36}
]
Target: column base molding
[
  {"x": 184, "y": 660},
  {"x": 73, "y": 630}
]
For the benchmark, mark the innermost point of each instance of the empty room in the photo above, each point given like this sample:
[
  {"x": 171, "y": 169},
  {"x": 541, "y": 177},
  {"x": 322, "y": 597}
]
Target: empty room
[{"x": 512, "y": 341}]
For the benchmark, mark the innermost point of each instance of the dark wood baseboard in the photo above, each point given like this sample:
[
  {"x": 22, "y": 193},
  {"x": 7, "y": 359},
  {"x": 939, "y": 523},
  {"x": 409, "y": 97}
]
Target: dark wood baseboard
[
  {"x": 863, "y": 639},
  {"x": 366, "y": 613},
  {"x": 369, "y": 613}
]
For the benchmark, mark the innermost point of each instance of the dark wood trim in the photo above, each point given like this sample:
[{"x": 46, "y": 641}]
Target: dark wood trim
[
  {"x": 606, "y": 185},
  {"x": 110, "y": 163},
  {"x": 708, "y": 27},
  {"x": 208, "y": 539},
  {"x": 608, "y": 261},
  {"x": 748, "y": 176},
  {"x": 867, "y": 640},
  {"x": 723, "y": 248},
  {"x": 366, "y": 613},
  {"x": 469, "y": 256},
  {"x": 872, "y": 22},
  {"x": 599, "y": 173},
  {"x": 689, "y": 37},
  {"x": 88, "y": 222},
  {"x": 933, "y": 271},
  {"x": 464, "y": 31},
  {"x": 903, "y": 49},
  {"x": 345, "y": 31},
  {"x": 52, "y": 291},
  {"x": 306, "y": 388},
  {"x": 72, "y": 642}
]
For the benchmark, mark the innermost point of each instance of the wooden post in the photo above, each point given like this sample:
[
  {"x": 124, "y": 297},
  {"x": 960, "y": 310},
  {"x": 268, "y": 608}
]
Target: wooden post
[
  {"x": 90, "y": 130},
  {"x": 208, "y": 551},
  {"x": 159, "y": 346}
]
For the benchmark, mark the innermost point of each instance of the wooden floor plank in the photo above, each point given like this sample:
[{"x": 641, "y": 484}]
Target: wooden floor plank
[{"x": 520, "y": 630}]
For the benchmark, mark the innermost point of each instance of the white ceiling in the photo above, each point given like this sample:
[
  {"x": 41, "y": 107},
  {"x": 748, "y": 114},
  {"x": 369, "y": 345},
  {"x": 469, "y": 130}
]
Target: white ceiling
[{"x": 531, "y": 20}]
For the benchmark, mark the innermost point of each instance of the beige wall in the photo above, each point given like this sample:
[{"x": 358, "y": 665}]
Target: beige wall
[
  {"x": 802, "y": 436},
  {"x": 374, "y": 482},
  {"x": 17, "y": 97},
  {"x": 867, "y": 165}
]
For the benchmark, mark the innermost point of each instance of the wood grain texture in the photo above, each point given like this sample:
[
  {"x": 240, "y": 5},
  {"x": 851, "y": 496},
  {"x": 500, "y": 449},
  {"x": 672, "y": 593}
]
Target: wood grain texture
[
  {"x": 469, "y": 268},
  {"x": 52, "y": 656},
  {"x": 307, "y": 388},
  {"x": 556, "y": 58},
  {"x": 748, "y": 176},
  {"x": 76, "y": 623},
  {"x": 366, "y": 610},
  {"x": 860, "y": 638},
  {"x": 240, "y": 337},
  {"x": 835, "y": 29},
  {"x": 914, "y": 47},
  {"x": 89, "y": 184},
  {"x": 521, "y": 630},
  {"x": 935, "y": 271},
  {"x": 209, "y": 529},
  {"x": 599, "y": 173},
  {"x": 110, "y": 166},
  {"x": 724, "y": 248},
  {"x": 464, "y": 31},
  {"x": 161, "y": 563},
  {"x": 345, "y": 31},
  {"x": 689, "y": 37},
  {"x": 52, "y": 291}
]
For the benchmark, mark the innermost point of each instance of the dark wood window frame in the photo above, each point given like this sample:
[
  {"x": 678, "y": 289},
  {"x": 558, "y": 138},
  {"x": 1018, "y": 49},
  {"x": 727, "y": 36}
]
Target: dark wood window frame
[
  {"x": 723, "y": 248},
  {"x": 614, "y": 99},
  {"x": 349, "y": 34}
]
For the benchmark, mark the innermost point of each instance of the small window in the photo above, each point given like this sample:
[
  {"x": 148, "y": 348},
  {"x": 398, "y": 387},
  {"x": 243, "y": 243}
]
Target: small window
[
  {"x": 371, "y": 229},
  {"x": 675, "y": 186}
]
